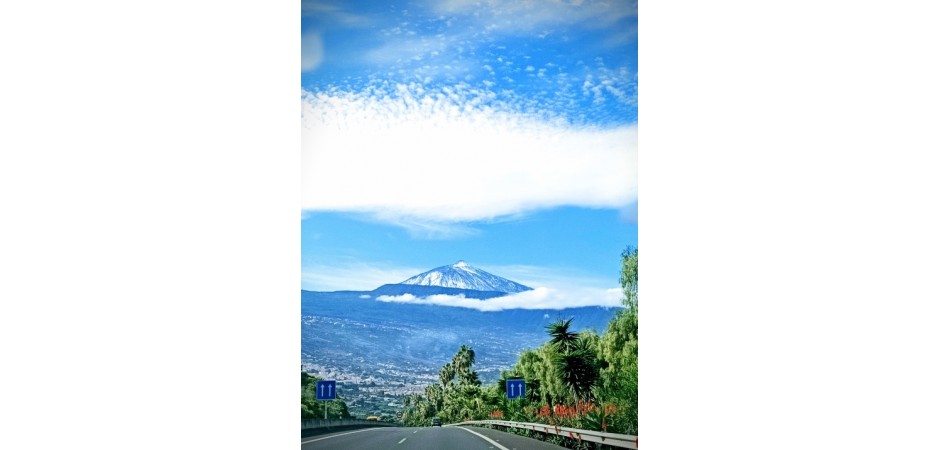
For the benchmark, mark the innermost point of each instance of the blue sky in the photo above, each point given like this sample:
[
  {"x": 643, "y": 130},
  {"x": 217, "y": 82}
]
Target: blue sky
[{"x": 501, "y": 133}]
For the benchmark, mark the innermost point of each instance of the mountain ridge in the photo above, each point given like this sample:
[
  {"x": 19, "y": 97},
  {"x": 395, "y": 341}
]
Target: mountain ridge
[{"x": 462, "y": 275}]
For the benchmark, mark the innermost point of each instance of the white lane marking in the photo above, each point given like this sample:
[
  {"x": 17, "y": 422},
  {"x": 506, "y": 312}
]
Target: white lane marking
[
  {"x": 484, "y": 437},
  {"x": 402, "y": 440},
  {"x": 338, "y": 435}
]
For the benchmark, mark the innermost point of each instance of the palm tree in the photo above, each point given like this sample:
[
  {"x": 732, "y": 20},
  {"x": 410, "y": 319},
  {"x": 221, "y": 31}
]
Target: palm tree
[
  {"x": 575, "y": 359},
  {"x": 533, "y": 390},
  {"x": 578, "y": 369},
  {"x": 472, "y": 379},
  {"x": 561, "y": 337},
  {"x": 447, "y": 374},
  {"x": 464, "y": 358},
  {"x": 463, "y": 364},
  {"x": 435, "y": 396}
]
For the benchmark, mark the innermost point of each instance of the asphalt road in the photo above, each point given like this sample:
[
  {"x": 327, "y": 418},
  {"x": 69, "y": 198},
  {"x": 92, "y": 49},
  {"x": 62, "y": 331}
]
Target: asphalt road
[{"x": 430, "y": 438}]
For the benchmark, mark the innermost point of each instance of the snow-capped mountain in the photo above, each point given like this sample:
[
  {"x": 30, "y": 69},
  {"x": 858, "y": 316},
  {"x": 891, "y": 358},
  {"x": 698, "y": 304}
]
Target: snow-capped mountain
[{"x": 461, "y": 275}]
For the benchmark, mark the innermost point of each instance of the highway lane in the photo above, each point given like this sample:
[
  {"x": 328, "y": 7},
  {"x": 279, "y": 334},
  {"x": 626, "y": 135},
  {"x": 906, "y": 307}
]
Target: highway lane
[{"x": 449, "y": 438}]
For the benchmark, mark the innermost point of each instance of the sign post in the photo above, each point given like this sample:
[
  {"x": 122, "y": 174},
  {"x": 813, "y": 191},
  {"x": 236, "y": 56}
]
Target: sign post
[
  {"x": 515, "y": 389},
  {"x": 326, "y": 390}
]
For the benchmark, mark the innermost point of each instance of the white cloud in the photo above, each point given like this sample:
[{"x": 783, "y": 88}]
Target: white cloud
[
  {"x": 315, "y": 7},
  {"x": 399, "y": 50},
  {"x": 331, "y": 14},
  {"x": 518, "y": 17},
  {"x": 455, "y": 154},
  {"x": 566, "y": 279},
  {"x": 538, "y": 298},
  {"x": 554, "y": 287},
  {"x": 311, "y": 51},
  {"x": 421, "y": 228},
  {"x": 352, "y": 275}
]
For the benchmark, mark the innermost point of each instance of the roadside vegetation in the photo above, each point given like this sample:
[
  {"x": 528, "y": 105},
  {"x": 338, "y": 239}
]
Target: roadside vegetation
[
  {"x": 311, "y": 408},
  {"x": 576, "y": 379}
]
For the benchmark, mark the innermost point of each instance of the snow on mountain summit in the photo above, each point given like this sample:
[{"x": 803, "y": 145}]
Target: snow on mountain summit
[{"x": 464, "y": 276}]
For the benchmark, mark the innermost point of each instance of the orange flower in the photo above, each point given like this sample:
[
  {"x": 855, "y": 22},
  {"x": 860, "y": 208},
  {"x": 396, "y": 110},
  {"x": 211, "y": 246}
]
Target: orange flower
[
  {"x": 584, "y": 407},
  {"x": 545, "y": 411}
]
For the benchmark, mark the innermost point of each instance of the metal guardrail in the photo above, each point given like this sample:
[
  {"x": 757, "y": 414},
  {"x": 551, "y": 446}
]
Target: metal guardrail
[
  {"x": 320, "y": 423},
  {"x": 611, "y": 439}
]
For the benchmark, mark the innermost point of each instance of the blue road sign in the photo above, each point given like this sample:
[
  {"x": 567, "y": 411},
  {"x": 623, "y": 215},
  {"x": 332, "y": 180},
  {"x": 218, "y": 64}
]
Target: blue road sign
[
  {"x": 326, "y": 390},
  {"x": 515, "y": 388}
]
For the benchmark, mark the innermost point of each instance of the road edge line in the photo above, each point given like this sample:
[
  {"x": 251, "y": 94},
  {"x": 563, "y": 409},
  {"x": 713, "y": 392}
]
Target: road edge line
[
  {"x": 338, "y": 435},
  {"x": 484, "y": 437}
]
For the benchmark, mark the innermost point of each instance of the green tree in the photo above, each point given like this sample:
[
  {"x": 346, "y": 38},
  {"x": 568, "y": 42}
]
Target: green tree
[
  {"x": 447, "y": 374},
  {"x": 418, "y": 411},
  {"x": 435, "y": 396},
  {"x": 618, "y": 348},
  {"x": 311, "y": 408},
  {"x": 629, "y": 276},
  {"x": 463, "y": 365},
  {"x": 575, "y": 360},
  {"x": 561, "y": 336},
  {"x": 570, "y": 366}
]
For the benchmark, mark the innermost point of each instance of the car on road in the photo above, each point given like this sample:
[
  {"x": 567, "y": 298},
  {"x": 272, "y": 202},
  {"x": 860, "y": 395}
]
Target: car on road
[{"x": 436, "y": 422}]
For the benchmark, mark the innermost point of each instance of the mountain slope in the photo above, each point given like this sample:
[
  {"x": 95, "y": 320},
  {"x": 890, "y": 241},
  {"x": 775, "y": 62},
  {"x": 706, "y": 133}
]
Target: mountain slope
[
  {"x": 461, "y": 275},
  {"x": 426, "y": 291},
  {"x": 378, "y": 351}
]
